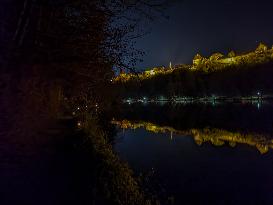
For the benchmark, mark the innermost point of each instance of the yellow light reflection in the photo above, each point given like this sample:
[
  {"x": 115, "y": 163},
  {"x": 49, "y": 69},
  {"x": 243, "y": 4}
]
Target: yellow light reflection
[{"x": 216, "y": 137}]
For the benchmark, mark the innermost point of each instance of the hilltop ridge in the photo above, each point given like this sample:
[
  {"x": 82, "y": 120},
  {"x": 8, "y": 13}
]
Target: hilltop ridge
[{"x": 217, "y": 61}]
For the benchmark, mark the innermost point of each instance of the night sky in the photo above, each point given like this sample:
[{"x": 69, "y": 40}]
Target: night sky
[{"x": 206, "y": 27}]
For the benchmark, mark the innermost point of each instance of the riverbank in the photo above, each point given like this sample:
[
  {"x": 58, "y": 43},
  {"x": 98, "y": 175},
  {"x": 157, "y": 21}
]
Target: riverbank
[{"x": 66, "y": 164}]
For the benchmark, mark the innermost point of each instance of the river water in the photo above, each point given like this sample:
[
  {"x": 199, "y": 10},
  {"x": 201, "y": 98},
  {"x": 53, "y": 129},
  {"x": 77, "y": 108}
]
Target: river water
[{"x": 201, "y": 153}]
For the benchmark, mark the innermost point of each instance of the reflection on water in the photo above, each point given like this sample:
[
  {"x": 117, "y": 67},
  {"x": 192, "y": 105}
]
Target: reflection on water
[
  {"x": 216, "y": 137},
  {"x": 201, "y": 154}
]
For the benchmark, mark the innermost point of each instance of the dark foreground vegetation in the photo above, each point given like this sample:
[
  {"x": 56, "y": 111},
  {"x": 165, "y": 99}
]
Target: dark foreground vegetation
[
  {"x": 67, "y": 166},
  {"x": 109, "y": 181},
  {"x": 57, "y": 59}
]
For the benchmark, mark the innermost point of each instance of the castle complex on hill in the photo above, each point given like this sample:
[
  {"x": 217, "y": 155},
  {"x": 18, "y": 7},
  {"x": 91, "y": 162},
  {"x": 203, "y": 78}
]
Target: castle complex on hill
[{"x": 216, "y": 61}]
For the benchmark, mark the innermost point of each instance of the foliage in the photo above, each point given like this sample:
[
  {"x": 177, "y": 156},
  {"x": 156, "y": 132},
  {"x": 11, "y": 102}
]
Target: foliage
[
  {"x": 114, "y": 180},
  {"x": 231, "y": 54},
  {"x": 58, "y": 52},
  {"x": 216, "y": 56},
  {"x": 58, "y": 56}
]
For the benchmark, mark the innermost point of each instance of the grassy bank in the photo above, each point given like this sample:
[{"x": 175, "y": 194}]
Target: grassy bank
[{"x": 111, "y": 180}]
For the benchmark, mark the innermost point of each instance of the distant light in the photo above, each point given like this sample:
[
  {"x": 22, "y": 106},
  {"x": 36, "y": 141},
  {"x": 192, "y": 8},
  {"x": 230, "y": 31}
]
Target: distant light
[
  {"x": 111, "y": 80},
  {"x": 259, "y": 105},
  {"x": 258, "y": 93},
  {"x": 79, "y": 124},
  {"x": 73, "y": 113},
  {"x": 78, "y": 108},
  {"x": 129, "y": 101}
]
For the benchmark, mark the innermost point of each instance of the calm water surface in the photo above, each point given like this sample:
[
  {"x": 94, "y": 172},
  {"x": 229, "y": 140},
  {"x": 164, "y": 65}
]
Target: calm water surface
[{"x": 201, "y": 154}]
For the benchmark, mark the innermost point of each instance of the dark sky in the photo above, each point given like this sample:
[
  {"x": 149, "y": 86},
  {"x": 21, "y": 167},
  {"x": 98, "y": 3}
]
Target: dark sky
[{"x": 206, "y": 27}]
